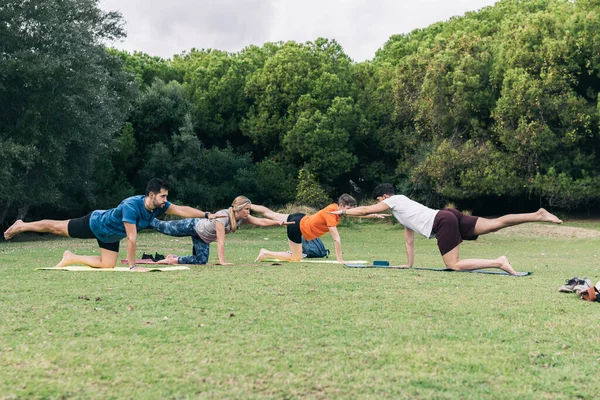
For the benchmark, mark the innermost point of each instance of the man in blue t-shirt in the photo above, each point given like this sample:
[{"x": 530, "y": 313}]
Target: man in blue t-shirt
[{"x": 108, "y": 227}]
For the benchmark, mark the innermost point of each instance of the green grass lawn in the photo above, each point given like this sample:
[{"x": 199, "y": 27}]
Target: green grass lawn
[{"x": 301, "y": 330}]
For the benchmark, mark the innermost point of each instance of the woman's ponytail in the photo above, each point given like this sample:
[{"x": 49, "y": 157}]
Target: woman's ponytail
[
  {"x": 232, "y": 220},
  {"x": 237, "y": 205}
]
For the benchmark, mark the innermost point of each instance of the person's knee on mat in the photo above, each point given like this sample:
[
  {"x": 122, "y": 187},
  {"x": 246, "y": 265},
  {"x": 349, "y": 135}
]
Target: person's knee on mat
[
  {"x": 106, "y": 265},
  {"x": 453, "y": 265}
]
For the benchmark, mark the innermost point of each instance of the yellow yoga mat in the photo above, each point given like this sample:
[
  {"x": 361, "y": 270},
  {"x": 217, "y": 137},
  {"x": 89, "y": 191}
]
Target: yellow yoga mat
[{"x": 116, "y": 269}]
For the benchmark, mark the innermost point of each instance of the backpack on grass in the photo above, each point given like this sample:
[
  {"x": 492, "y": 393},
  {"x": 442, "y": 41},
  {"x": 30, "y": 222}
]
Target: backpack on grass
[{"x": 314, "y": 248}]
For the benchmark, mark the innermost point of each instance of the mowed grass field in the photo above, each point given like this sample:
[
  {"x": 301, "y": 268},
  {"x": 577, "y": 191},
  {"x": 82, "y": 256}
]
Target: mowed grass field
[{"x": 304, "y": 330}]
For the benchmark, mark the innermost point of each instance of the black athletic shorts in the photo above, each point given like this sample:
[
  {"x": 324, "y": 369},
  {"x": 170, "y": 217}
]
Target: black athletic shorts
[
  {"x": 79, "y": 228},
  {"x": 451, "y": 227},
  {"x": 293, "y": 230}
]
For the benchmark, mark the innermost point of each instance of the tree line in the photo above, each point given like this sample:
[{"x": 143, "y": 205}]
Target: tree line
[{"x": 494, "y": 107}]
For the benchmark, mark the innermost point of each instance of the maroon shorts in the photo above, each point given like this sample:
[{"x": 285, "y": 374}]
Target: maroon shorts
[{"x": 451, "y": 227}]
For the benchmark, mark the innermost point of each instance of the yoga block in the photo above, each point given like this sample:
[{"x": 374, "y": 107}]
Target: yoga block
[{"x": 381, "y": 262}]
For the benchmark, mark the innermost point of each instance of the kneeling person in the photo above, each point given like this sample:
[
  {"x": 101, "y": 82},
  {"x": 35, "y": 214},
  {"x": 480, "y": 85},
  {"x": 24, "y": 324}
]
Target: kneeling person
[
  {"x": 108, "y": 227},
  {"x": 310, "y": 227},
  {"x": 449, "y": 226},
  {"x": 203, "y": 232}
]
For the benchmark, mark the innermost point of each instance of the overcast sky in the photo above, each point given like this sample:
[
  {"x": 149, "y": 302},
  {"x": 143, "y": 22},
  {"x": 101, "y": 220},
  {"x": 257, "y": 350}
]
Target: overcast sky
[{"x": 168, "y": 27}]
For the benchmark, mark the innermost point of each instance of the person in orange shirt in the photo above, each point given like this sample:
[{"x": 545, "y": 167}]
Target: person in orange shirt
[{"x": 309, "y": 227}]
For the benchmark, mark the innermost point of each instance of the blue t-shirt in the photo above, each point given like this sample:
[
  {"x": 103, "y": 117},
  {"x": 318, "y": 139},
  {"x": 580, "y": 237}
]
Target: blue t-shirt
[{"x": 108, "y": 226}]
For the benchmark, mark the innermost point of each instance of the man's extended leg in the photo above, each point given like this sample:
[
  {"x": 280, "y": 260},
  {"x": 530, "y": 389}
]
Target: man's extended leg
[
  {"x": 107, "y": 259},
  {"x": 45, "y": 225},
  {"x": 268, "y": 213},
  {"x": 295, "y": 255},
  {"x": 452, "y": 261},
  {"x": 485, "y": 225}
]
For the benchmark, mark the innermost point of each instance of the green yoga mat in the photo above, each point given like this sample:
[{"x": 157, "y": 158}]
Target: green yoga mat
[
  {"x": 116, "y": 269},
  {"x": 477, "y": 271}
]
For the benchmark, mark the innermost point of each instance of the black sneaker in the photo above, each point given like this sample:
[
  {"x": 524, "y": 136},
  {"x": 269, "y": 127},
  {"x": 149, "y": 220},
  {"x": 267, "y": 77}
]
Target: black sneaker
[
  {"x": 569, "y": 286},
  {"x": 158, "y": 257},
  {"x": 147, "y": 257}
]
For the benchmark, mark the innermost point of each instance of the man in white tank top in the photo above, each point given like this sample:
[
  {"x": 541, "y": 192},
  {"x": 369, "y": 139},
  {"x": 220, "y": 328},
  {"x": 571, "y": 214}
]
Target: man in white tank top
[{"x": 449, "y": 226}]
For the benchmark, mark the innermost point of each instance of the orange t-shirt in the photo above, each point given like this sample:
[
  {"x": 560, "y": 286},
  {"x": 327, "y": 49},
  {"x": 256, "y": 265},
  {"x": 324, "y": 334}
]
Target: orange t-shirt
[{"x": 316, "y": 225}]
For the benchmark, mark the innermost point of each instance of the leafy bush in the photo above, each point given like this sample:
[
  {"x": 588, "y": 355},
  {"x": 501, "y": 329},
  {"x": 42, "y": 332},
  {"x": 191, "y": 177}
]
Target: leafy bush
[{"x": 309, "y": 191}]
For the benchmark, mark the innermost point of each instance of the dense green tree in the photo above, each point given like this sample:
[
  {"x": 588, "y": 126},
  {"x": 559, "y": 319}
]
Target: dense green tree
[
  {"x": 502, "y": 102},
  {"x": 499, "y": 103},
  {"x": 378, "y": 142},
  {"x": 63, "y": 97},
  {"x": 321, "y": 140},
  {"x": 319, "y": 70},
  {"x": 202, "y": 177},
  {"x": 159, "y": 113},
  {"x": 309, "y": 192},
  {"x": 544, "y": 118},
  {"x": 215, "y": 82},
  {"x": 275, "y": 182},
  {"x": 147, "y": 68}
]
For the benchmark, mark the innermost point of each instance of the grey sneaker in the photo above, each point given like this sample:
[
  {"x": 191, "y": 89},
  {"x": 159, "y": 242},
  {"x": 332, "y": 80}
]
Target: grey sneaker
[{"x": 569, "y": 286}]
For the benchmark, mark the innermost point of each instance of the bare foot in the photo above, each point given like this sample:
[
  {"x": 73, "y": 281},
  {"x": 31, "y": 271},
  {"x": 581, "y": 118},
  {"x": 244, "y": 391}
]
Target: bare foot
[
  {"x": 261, "y": 255},
  {"x": 170, "y": 259},
  {"x": 67, "y": 257},
  {"x": 13, "y": 230},
  {"x": 505, "y": 265},
  {"x": 548, "y": 217}
]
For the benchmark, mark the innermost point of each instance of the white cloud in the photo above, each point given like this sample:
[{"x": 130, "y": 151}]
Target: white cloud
[{"x": 165, "y": 28}]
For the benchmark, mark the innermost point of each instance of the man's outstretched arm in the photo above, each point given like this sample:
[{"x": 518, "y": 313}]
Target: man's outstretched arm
[
  {"x": 363, "y": 210},
  {"x": 190, "y": 212}
]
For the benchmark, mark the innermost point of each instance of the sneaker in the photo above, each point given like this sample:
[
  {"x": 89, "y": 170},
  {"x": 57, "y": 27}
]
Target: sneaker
[
  {"x": 583, "y": 287},
  {"x": 158, "y": 257},
  {"x": 147, "y": 256},
  {"x": 569, "y": 286}
]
